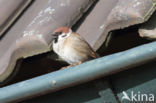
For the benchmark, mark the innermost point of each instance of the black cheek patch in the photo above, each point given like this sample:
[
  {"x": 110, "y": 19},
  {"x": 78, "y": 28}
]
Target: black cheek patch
[
  {"x": 64, "y": 35},
  {"x": 55, "y": 40}
]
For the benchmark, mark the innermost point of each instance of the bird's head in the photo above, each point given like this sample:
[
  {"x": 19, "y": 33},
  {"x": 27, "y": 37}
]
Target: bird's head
[{"x": 61, "y": 33}]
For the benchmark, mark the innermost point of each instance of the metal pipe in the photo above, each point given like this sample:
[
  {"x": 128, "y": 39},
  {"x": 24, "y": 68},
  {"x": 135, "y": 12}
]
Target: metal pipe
[{"x": 75, "y": 75}]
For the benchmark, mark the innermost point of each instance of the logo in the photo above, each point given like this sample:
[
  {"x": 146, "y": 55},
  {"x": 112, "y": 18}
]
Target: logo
[{"x": 138, "y": 96}]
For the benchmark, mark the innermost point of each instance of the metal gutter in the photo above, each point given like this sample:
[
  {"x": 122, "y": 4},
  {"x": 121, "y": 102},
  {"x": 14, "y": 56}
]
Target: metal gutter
[{"x": 75, "y": 75}]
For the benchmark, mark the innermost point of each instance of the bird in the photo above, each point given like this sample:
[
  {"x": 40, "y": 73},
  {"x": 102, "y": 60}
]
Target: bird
[{"x": 71, "y": 47}]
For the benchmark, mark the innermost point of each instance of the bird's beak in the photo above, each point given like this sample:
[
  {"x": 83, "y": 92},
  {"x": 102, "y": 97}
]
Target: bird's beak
[{"x": 54, "y": 36}]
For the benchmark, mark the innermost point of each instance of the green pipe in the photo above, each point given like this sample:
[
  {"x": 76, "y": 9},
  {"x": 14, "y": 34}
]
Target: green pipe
[{"x": 79, "y": 74}]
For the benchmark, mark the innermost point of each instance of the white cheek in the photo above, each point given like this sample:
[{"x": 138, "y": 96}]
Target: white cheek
[
  {"x": 60, "y": 37},
  {"x": 63, "y": 36}
]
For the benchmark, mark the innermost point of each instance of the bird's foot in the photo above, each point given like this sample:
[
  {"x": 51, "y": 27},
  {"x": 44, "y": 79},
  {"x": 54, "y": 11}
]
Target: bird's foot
[
  {"x": 75, "y": 64},
  {"x": 66, "y": 67}
]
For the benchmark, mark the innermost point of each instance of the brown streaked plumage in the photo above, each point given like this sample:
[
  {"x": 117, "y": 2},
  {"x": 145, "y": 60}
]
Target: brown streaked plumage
[
  {"x": 71, "y": 46},
  {"x": 78, "y": 44}
]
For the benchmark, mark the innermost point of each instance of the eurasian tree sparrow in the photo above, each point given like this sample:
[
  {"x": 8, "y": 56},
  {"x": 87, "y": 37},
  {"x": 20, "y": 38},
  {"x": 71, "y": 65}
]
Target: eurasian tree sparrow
[{"x": 71, "y": 47}]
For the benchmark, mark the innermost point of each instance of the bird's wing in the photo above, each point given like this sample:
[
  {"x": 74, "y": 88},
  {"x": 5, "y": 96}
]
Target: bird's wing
[{"x": 79, "y": 44}]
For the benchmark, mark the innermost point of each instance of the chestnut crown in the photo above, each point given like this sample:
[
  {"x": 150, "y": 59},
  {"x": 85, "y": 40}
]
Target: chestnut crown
[
  {"x": 61, "y": 32},
  {"x": 62, "y": 29}
]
